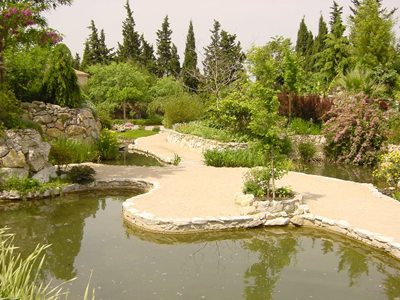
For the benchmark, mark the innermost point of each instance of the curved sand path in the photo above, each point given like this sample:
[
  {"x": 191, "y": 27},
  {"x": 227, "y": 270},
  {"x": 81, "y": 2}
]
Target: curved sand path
[{"x": 194, "y": 190}]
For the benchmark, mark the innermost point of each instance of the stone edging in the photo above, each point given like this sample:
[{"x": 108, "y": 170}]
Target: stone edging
[
  {"x": 99, "y": 184},
  {"x": 162, "y": 159}
]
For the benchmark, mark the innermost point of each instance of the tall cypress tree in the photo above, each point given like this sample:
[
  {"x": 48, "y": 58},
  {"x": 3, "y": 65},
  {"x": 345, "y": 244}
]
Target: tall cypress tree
[
  {"x": 164, "y": 48},
  {"x": 174, "y": 64},
  {"x": 319, "y": 45},
  {"x": 105, "y": 53},
  {"x": 92, "y": 52},
  {"x": 189, "y": 67},
  {"x": 212, "y": 51},
  {"x": 305, "y": 44},
  {"x": 131, "y": 45},
  {"x": 147, "y": 57}
]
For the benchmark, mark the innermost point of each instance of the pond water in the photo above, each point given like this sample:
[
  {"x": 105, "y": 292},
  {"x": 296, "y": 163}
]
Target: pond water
[
  {"x": 342, "y": 171},
  {"x": 126, "y": 158},
  {"x": 88, "y": 233}
]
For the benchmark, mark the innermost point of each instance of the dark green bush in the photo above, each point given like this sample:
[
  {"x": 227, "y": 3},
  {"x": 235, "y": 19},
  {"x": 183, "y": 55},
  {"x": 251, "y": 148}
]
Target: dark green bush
[
  {"x": 299, "y": 126},
  {"x": 307, "y": 151},
  {"x": 10, "y": 110},
  {"x": 183, "y": 108},
  {"x": 81, "y": 174}
]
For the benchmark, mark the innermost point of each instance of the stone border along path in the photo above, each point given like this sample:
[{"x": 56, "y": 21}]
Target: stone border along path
[{"x": 192, "y": 197}]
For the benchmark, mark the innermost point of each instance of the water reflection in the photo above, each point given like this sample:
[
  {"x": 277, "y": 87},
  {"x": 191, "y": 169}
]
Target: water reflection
[
  {"x": 88, "y": 233},
  {"x": 273, "y": 255}
]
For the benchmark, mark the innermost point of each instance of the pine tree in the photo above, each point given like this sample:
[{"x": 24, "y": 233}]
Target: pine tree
[
  {"x": 147, "y": 57},
  {"x": 334, "y": 59},
  {"x": 105, "y": 53},
  {"x": 305, "y": 44},
  {"x": 319, "y": 43},
  {"x": 92, "y": 55},
  {"x": 223, "y": 61},
  {"x": 164, "y": 49},
  {"x": 189, "y": 67},
  {"x": 76, "y": 62},
  {"x": 131, "y": 45},
  {"x": 174, "y": 64},
  {"x": 371, "y": 33}
]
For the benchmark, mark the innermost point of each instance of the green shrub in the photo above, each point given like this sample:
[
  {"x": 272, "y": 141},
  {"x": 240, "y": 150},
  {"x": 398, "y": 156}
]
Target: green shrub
[
  {"x": 108, "y": 144},
  {"x": 142, "y": 128},
  {"x": 23, "y": 185},
  {"x": 152, "y": 120},
  {"x": 183, "y": 108},
  {"x": 81, "y": 174},
  {"x": 206, "y": 131},
  {"x": 307, "y": 151},
  {"x": 299, "y": 126},
  {"x": 396, "y": 195},
  {"x": 284, "y": 192},
  {"x": 60, "y": 83},
  {"x": 233, "y": 158},
  {"x": 394, "y": 130},
  {"x": 156, "y": 129},
  {"x": 177, "y": 159},
  {"x": 68, "y": 151},
  {"x": 134, "y": 134},
  {"x": 10, "y": 110},
  {"x": 258, "y": 181}
]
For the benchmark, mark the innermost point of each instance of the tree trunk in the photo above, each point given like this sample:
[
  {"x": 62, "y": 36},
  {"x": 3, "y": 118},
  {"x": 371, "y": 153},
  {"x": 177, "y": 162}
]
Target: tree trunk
[{"x": 273, "y": 175}]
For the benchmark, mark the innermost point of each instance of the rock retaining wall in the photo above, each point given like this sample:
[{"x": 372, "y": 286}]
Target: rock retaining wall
[
  {"x": 23, "y": 153},
  {"x": 57, "y": 121}
]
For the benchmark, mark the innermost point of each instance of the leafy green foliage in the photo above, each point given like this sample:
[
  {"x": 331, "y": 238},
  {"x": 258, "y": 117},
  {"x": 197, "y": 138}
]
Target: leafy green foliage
[
  {"x": 355, "y": 131},
  {"x": 307, "y": 151},
  {"x": 300, "y": 126},
  {"x": 177, "y": 159},
  {"x": 231, "y": 158},
  {"x": 10, "y": 110},
  {"x": 108, "y": 144},
  {"x": 258, "y": 180},
  {"x": 117, "y": 84},
  {"x": 68, "y": 151},
  {"x": 81, "y": 174},
  {"x": 147, "y": 57},
  {"x": 23, "y": 185},
  {"x": 371, "y": 33},
  {"x": 135, "y": 134},
  {"x": 153, "y": 120},
  {"x": 25, "y": 71},
  {"x": 207, "y": 131},
  {"x": 184, "y": 108},
  {"x": 60, "y": 83}
]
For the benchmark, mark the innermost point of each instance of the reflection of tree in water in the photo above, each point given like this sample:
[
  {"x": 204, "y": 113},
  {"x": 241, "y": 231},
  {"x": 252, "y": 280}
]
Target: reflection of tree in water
[
  {"x": 58, "y": 222},
  {"x": 392, "y": 286},
  {"x": 327, "y": 246},
  {"x": 274, "y": 254},
  {"x": 354, "y": 262}
]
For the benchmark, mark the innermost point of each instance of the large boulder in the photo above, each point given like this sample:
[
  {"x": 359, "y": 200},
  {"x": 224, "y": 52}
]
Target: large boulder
[
  {"x": 14, "y": 159},
  {"x": 46, "y": 173},
  {"x": 38, "y": 157}
]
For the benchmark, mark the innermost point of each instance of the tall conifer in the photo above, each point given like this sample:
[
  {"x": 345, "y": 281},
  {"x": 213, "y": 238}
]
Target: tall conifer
[
  {"x": 175, "y": 65},
  {"x": 189, "y": 67},
  {"x": 164, "y": 48},
  {"x": 147, "y": 57},
  {"x": 131, "y": 45}
]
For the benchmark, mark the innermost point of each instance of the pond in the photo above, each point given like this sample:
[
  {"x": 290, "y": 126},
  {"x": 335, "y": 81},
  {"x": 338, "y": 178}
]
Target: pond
[
  {"x": 126, "y": 158},
  {"x": 342, "y": 171},
  {"x": 88, "y": 233}
]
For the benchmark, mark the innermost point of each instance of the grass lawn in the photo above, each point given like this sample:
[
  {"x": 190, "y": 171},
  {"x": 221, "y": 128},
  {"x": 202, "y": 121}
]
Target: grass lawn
[{"x": 134, "y": 134}]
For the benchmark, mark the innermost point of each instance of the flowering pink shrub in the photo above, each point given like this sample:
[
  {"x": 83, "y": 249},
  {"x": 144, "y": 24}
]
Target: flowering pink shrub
[{"x": 355, "y": 130}]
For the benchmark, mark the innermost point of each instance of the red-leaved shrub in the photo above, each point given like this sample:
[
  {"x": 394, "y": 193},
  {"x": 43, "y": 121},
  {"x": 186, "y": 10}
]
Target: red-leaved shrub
[{"x": 307, "y": 107}]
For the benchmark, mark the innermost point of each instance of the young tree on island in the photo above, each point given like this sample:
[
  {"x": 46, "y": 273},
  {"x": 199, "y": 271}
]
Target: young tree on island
[
  {"x": 189, "y": 67},
  {"x": 164, "y": 49},
  {"x": 131, "y": 45},
  {"x": 23, "y": 24}
]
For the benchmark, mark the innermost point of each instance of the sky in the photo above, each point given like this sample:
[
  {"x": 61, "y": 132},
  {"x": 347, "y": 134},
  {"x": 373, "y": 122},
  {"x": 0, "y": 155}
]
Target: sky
[{"x": 253, "y": 21}]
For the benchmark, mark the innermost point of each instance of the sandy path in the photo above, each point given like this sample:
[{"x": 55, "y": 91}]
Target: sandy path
[{"x": 194, "y": 190}]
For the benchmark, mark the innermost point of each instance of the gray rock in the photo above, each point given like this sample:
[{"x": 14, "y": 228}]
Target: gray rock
[
  {"x": 297, "y": 221},
  {"x": 277, "y": 222},
  {"x": 46, "y": 173},
  {"x": 19, "y": 172},
  {"x": 38, "y": 157},
  {"x": 244, "y": 200},
  {"x": 14, "y": 159}
]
